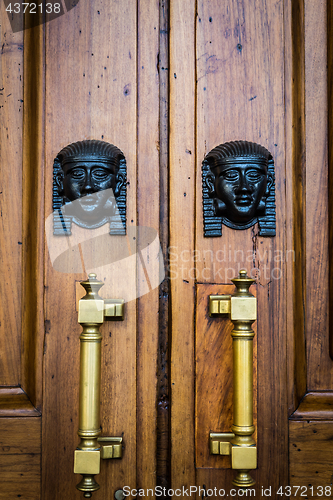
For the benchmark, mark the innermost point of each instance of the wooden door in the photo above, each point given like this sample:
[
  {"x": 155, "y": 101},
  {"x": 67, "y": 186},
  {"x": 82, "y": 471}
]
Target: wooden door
[{"x": 166, "y": 82}]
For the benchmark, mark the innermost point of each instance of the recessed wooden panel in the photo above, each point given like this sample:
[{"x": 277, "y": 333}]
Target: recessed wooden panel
[{"x": 214, "y": 376}]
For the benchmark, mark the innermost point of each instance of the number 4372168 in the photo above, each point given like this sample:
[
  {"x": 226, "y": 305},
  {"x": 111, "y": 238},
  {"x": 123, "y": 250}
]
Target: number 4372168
[{"x": 33, "y": 8}]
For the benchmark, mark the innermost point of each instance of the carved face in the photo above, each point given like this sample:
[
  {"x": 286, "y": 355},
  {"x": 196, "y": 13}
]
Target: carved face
[
  {"x": 241, "y": 191},
  {"x": 89, "y": 182}
]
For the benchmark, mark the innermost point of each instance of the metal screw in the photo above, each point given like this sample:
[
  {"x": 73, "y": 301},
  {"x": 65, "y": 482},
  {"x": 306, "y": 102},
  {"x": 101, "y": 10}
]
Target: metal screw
[{"x": 119, "y": 495}]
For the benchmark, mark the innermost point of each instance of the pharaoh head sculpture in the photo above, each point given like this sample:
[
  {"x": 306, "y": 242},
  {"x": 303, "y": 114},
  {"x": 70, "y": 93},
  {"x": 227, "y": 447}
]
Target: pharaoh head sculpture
[
  {"x": 89, "y": 183},
  {"x": 238, "y": 191}
]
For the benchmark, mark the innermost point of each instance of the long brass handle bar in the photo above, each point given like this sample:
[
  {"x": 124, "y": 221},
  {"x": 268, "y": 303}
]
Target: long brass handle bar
[
  {"x": 92, "y": 312},
  {"x": 239, "y": 444}
]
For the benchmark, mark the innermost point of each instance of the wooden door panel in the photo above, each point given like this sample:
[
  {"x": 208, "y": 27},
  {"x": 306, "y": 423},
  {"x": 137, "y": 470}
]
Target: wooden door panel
[
  {"x": 108, "y": 57},
  {"x": 91, "y": 82},
  {"x": 20, "y": 354},
  {"x": 238, "y": 93}
]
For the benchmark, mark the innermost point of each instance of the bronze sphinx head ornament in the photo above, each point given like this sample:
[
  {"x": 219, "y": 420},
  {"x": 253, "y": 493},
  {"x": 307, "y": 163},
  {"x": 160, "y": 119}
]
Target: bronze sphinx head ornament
[
  {"x": 238, "y": 188},
  {"x": 89, "y": 187}
]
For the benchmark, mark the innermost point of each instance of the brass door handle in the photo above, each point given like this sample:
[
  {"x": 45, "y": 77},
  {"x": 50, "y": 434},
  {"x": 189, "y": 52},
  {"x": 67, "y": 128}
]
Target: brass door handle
[
  {"x": 93, "y": 310},
  {"x": 239, "y": 444}
]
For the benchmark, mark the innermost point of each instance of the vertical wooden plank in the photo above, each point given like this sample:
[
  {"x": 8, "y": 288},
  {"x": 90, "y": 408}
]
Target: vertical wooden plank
[
  {"x": 317, "y": 274},
  {"x": 330, "y": 156},
  {"x": 240, "y": 96},
  {"x": 295, "y": 197},
  {"x": 33, "y": 213},
  {"x": 91, "y": 83},
  {"x": 163, "y": 402},
  {"x": 148, "y": 215},
  {"x": 182, "y": 199},
  {"x": 11, "y": 105}
]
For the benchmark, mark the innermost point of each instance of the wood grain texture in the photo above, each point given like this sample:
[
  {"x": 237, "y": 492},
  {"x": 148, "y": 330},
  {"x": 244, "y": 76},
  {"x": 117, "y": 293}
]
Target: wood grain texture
[
  {"x": 220, "y": 483},
  {"x": 91, "y": 93},
  {"x": 182, "y": 199},
  {"x": 11, "y": 105},
  {"x": 317, "y": 197},
  {"x": 163, "y": 402},
  {"x": 240, "y": 95},
  {"x": 315, "y": 406},
  {"x": 14, "y": 402},
  {"x": 330, "y": 156},
  {"x": 148, "y": 194},
  {"x": 20, "y": 458},
  {"x": 214, "y": 376},
  {"x": 295, "y": 195},
  {"x": 33, "y": 213},
  {"x": 20, "y": 436},
  {"x": 20, "y": 477},
  {"x": 310, "y": 449}
]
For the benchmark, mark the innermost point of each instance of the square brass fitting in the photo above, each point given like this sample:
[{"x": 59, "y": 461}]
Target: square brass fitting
[
  {"x": 91, "y": 311},
  {"x": 87, "y": 461},
  {"x": 243, "y": 457},
  {"x": 243, "y": 309}
]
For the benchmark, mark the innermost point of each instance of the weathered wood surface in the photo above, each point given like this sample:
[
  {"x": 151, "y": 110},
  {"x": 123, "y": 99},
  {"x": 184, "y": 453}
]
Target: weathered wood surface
[
  {"x": 163, "y": 402},
  {"x": 33, "y": 214},
  {"x": 214, "y": 376},
  {"x": 317, "y": 275},
  {"x": 240, "y": 95},
  {"x": 330, "y": 154},
  {"x": 20, "y": 458},
  {"x": 310, "y": 450},
  {"x": 91, "y": 93},
  {"x": 148, "y": 193},
  {"x": 295, "y": 199},
  {"x": 11, "y": 131},
  {"x": 182, "y": 226}
]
